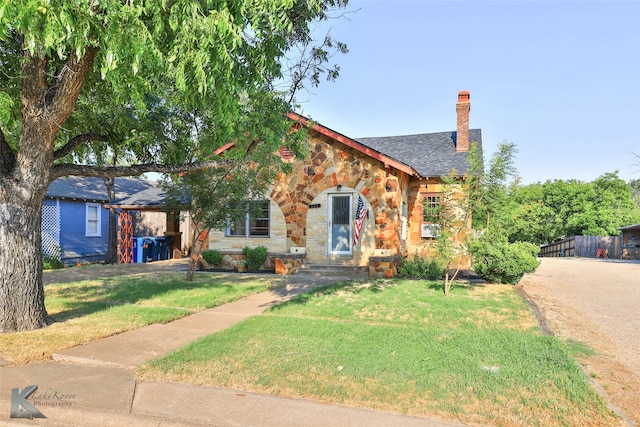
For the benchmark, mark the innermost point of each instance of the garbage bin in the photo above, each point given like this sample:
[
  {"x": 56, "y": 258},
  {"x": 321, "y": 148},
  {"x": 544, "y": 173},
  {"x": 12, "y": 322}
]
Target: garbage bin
[
  {"x": 168, "y": 241},
  {"x": 148, "y": 249},
  {"x": 159, "y": 243},
  {"x": 136, "y": 256},
  {"x": 139, "y": 249},
  {"x": 163, "y": 247}
]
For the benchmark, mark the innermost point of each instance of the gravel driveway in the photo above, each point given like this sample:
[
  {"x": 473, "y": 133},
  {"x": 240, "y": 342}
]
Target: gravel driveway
[{"x": 597, "y": 302}]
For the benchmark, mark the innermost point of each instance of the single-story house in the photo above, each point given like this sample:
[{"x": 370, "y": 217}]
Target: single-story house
[
  {"x": 75, "y": 222},
  {"x": 355, "y": 202}
]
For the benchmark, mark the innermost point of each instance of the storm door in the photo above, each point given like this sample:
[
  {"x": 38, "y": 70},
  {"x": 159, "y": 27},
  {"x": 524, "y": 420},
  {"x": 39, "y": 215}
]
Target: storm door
[{"x": 340, "y": 231}]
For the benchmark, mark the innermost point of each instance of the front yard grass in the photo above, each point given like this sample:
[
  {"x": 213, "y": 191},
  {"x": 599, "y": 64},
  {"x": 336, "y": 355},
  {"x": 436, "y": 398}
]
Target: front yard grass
[
  {"x": 86, "y": 310},
  {"x": 401, "y": 346}
]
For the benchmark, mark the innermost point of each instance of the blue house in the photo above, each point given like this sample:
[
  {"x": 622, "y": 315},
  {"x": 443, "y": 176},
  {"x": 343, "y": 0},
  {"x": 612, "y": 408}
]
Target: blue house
[{"x": 75, "y": 223}]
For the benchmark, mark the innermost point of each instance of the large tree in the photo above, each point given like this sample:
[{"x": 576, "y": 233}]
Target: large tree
[
  {"x": 543, "y": 212},
  {"x": 121, "y": 63}
]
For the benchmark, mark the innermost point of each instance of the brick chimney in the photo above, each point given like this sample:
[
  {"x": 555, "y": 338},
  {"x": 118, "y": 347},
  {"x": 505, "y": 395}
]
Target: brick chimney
[{"x": 462, "y": 132}]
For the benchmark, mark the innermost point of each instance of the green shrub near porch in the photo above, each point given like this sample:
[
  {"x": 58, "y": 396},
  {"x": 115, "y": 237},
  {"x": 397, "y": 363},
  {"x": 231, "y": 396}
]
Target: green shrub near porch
[
  {"x": 255, "y": 257},
  {"x": 421, "y": 268},
  {"x": 212, "y": 257}
]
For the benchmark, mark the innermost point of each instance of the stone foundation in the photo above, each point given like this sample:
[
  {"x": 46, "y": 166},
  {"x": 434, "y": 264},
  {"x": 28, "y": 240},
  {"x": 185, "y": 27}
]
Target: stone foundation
[
  {"x": 384, "y": 266},
  {"x": 280, "y": 263},
  {"x": 288, "y": 263}
]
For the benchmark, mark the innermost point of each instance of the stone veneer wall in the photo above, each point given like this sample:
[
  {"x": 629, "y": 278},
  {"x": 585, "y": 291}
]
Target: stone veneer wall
[
  {"x": 415, "y": 242},
  {"x": 384, "y": 266},
  {"x": 328, "y": 166}
]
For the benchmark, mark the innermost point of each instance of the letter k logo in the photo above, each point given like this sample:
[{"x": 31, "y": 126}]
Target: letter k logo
[{"x": 20, "y": 406}]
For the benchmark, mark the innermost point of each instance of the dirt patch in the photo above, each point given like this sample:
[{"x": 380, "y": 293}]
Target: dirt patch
[{"x": 596, "y": 302}]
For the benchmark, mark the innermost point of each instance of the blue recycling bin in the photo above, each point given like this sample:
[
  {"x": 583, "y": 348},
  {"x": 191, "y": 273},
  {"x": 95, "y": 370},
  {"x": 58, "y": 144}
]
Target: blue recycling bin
[
  {"x": 141, "y": 249},
  {"x": 151, "y": 248},
  {"x": 136, "y": 256}
]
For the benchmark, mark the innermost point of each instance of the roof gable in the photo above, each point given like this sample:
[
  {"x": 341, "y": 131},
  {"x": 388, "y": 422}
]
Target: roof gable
[{"x": 369, "y": 151}]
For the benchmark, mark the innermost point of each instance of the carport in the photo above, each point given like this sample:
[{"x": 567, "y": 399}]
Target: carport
[
  {"x": 150, "y": 200},
  {"x": 630, "y": 241}
]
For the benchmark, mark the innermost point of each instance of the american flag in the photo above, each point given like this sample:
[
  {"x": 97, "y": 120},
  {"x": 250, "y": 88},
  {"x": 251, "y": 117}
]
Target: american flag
[{"x": 361, "y": 214}]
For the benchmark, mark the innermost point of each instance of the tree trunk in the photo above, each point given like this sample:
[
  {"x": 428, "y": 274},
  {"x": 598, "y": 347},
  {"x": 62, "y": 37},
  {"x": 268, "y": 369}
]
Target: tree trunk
[
  {"x": 21, "y": 291},
  {"x": 112, "y": 242},
  {"x": 448, "y": 281},
  {"x": 196, "y": 249},
  {"x": 22, "y": 193},
  {"x": 24, "y": 177}
]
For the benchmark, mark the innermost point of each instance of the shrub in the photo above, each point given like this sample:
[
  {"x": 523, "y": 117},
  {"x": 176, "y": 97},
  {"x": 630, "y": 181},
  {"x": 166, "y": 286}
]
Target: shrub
[
  {"x": 421, "y": 268},
  {"x": 498, "y": 261},
  {"x": 213, "y": 258},
  {"x": 51, "y": 263},
  {"x": 255, "y": 257}
]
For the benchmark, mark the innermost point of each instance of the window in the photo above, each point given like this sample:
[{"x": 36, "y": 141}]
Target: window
[
  {"x": 431, "y": 209},
  {"x": 93, "y": 223},
  {"x": 251, "y": 221},
  {"x": 430, "y": 226}
]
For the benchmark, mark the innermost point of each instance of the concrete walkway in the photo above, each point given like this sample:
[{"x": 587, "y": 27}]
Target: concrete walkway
[{"x": 94, "y": 384}]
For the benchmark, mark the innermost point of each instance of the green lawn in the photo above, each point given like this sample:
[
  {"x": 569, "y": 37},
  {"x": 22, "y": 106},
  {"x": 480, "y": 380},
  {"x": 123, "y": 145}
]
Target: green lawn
[
  {"x": 91, "y": 309},
  {"x": 476, "y": 356}
]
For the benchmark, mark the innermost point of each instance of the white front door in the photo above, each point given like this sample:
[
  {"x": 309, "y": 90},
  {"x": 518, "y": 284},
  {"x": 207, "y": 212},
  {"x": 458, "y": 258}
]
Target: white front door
[{"x": 340, "y": 231}]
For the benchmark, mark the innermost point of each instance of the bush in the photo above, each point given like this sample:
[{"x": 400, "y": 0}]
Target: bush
[
  {"x": 421, "y": 268},
  {"x": 213, "y": 258},
  {"x": 51, "y": 263},
  {"x": 498, "y": 261},
  {"x": 255, "y": 257}
]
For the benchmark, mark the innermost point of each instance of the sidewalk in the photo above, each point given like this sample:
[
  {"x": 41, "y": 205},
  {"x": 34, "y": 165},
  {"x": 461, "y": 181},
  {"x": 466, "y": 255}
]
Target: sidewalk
[{"x": 94, "y": 384}]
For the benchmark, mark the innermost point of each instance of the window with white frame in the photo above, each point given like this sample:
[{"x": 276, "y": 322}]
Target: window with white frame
[
  {"x": 430, "y": 216},
  {"x": 93, "y": 222},
  {"x": 251, "y": 221}
]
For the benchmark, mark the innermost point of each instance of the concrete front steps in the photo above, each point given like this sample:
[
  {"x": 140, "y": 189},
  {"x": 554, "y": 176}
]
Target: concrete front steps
[{"x": 334, "y": 269}]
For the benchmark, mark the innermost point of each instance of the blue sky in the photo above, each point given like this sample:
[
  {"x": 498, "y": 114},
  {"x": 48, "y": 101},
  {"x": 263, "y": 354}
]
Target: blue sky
[{"x": 560, "y": 79}]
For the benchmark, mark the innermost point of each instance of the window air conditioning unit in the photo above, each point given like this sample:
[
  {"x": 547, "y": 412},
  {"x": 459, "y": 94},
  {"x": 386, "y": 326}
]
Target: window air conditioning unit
[{"x": 430, "y": 230}]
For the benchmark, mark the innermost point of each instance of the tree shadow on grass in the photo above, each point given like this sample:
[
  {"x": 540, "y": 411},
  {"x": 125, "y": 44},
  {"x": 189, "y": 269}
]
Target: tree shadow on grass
[
  {"x": 78, "y": 300},
  {"x": 438, "y": 285},
  {"x": 342, "y": 287}
]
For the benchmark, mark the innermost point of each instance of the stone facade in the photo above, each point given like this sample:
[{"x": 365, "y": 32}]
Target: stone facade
[
  {"x": 299, "y": 207},
  {"x": 335, "y": 169}
]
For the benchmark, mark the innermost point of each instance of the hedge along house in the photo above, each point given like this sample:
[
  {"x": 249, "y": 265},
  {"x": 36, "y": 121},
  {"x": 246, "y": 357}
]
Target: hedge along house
[{"x": 310, "y": 216}]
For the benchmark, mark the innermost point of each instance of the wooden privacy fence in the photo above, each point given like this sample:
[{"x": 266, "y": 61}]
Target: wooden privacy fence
[{"x": 583, "y": 246}]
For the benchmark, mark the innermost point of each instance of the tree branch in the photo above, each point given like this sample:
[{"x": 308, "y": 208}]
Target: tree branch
[
  {"x": 64, "y": 94},
  {"x": 75, "y": 141},
  {"x": 65, "y": 169},
  {"x": 7, "y": 156}
]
